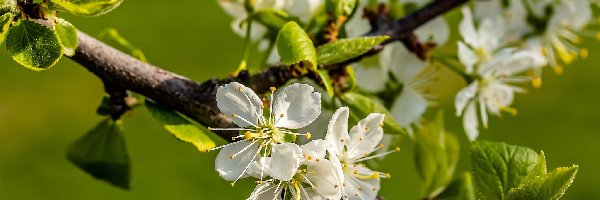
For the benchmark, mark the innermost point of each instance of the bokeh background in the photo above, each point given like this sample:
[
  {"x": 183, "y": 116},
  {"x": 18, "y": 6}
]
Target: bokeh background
[{"x": 41, "y": 113}]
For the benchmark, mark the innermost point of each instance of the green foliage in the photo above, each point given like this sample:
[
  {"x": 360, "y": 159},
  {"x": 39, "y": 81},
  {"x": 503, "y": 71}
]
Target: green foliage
[
  {"x": 272, "y": 18},
  {"x": 324, "y": 75},
  {"x": 459, "y": 189},
  {"x": 345, "y": 49},
  {"x": 113, "y": 34},
  {"x": 34, "y": 46},
  {"x": 5, "y": 21},
  {"x": 547, "y": 186},
  {"x": 294, "y": 46},
  {"x": 8, "y": 6},
  {"x": 341, "y": 7},
  {"x": 436, "y": 155},
  {"x": 67, "y": 33},
  {"x": 180, "y": 127},
  {"x": 89, "y": 8},
  {"x": 102, "y": 153},
  {"x": 104, "y": 109},
  {"x": 361, "y": 106},
  {"x": 504, "y": 171}
]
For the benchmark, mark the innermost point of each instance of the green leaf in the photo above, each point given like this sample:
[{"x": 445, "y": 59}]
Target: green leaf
[
  {"x": 180, "y": 127},
  {"x": 548, "y": 186},
  {"x": 538, "y": 169},
  {"x": 104, "y": 109},
  {"x": 294, "y": 46},
  {"x": 5, "y": 21},
  {"x": 8, "y": 6},
  {"x": 67, "y": 33},
  {"x": 89, "y": 8},
  {"x": 341, "y": 7},
  {"x": 102, "y": 153},
  {"x": 459, "y": 189},
  {"x": 498, "y": 167},
  {"x": 324, "y": 75},
  {"x": 272, "y": 18},
  {"x": 113, "y": 34},
  {"x": 34, "y": 46},
  {"x": 436, "y": 155},
  {"x": 345, "y": 49},
  {"x": 361, "y": 106}
]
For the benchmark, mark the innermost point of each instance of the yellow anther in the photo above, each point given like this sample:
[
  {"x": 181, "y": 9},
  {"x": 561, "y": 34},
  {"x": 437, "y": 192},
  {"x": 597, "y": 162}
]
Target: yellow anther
[
  {"x": 355, "y": 172},
  {"x": 232, "y": 184},
  {"x": 209, "y": 129},
  {"x": 380, "y": 124},
  {"x": 312, "y": 172},
  {"x": 375, "y": 175},
  {"x": 344, "y": 184},
  {"x": 381, "y": 145},
  {"x": 241, "y": 89},
  {"x": 309, "y": 158},
  {"x": 273, "y": 89},
  {"x": 397, "y": 149},
  {"x": 366, "y": 128},
  {"x": 584, "y": 53},
  {"x": 536, "y": 82},
  {"x": 577, "y": 40},
  {"x": 512, "y": 111},
  {"x": 360, "y": 189},
  {"x": 304, "y": 155},
  {"x": 341, "y": 140},
  {"x": 248, "y": 135},
  {"x": 360, "y": 139},
  {"x": 558, "y": 69},
  {"x": 231, "y": 157},
  {"x": 281, "y": 115},
  {"x": 234, "y": 115},
  {"x": 308, "y": 135},
  {"x": 388, "y": 175},
  {"x": 317, "y": 160},
  {"x": 336, "y": 186},
  {"x": 374, "y": 189}
]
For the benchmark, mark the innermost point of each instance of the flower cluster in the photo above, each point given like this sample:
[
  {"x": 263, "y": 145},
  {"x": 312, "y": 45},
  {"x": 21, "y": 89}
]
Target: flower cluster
[
  {"x": 329, "y": 168},
  {"x": 514, "y": 40}
]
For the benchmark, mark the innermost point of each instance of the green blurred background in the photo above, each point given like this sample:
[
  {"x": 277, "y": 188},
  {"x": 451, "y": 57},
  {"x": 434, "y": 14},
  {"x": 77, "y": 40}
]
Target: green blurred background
[{"x": 41, "y": 113}]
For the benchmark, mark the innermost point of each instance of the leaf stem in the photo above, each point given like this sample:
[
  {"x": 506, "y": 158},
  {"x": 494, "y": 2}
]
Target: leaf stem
[{"x": 247, "y": 42}]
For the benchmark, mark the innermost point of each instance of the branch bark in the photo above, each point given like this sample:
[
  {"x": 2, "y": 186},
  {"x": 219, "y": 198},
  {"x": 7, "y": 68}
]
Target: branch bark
[{"x": 198, "y": 100}]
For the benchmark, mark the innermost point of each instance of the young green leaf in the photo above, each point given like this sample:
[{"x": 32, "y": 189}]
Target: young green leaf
[
  {"x": 324, "y": 75},
  {"x": 67, "y": 33},
  {"x": 341, "y": 7},
  {"x": 436, "y": 155},
  {"x": 361, "y": 106},
  {"x": 548, "y": 186},
  {"x": 102, "y": 153},
  {"x": 180, "y": 127},
  {"x": 459, "y": 189},
  {"x": 294, "y": 45},
  {"x": 33, "y": 45},
  {"x": 5, "y": 21},
  {"x": 89, "y": 8},
  {"x": 272, "y": 18},
  {"x": 345, "y": 49},
  {"x": 498, "y": 167}
]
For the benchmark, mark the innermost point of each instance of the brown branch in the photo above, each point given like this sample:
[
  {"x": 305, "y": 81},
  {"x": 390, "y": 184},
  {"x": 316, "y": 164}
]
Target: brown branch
[{"x": 197, "y": 100}]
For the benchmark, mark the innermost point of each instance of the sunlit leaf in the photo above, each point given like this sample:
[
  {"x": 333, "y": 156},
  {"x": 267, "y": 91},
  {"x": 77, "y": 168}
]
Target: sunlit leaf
[
  {"x": 180, "y": 127},
  {"x": 67, "y": 33},
  {"x": 85, "y": 7},
  {"x": 346, "y": 49},
  {"x": 103, "y": 154},
  {"x": 361, "y": 106},
  {"x": 341, "y": 7},
  {"x": 8, "y": 6},
  {"x": 294, "y": 45},
  {"x": 5, "y": 21},
  {"x": 548, "y": 186},
  {"x": 34, "y": 46},
  {"x": 324, "y": 75}
]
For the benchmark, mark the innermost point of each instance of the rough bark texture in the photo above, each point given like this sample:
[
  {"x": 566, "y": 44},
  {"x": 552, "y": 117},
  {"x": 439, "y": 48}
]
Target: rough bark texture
[{"x": 197, "y": 100}]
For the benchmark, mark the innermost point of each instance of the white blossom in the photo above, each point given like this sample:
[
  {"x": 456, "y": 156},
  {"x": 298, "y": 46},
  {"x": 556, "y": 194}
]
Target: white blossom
[
  {"x": 354, "y": 147},
  {"x": 294, "y": 107}
]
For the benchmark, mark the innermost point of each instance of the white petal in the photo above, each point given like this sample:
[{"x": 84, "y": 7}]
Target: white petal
[
  {"x": 323, "y": 176},
  {"x": 359, "y": 189},
  {"x": 365, "y": 136},
  {"x": 265, "y": 191},
  {"x": 235, "y": 98},
  {"x": 365, "y": 74},
  {"x": 467, "y": 28},
  {"x": 230, "y": 169},
  {"x": 491, "y": 33},
  {"x": 467, "y": 57},
  {"x": 404, "y": 64},
  {"x": 464, "y": 96},
  {"x": 296, "y": 106},
  {"x": 436, "y": 29},
  {"x": 260, "y": 168},
  {"x": 408, "y": 107},
  {"x": 358, "y": 25},
  {"x": 470, "y": 122},
  {"x": 285, "y": 160},
  {"x": 337, "y": 130},
  {"x": 315, "y": 149},
  {"x": 234, "y": 8}
]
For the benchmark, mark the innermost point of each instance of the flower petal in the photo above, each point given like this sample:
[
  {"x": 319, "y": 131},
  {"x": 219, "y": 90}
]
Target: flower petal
[
  {"x": 358, "y": 189},
  {"x": 285, "y": 160},
  {"x": 230, "y": 168},
  {"x": 408, "y": 107},
  {"x": 467, "y": 28},
  {"x": 404, "y": 64},
  {"x": 470, "y": 122},
  {"x": 337, "y": 130},
  {"x": 365, "y": 136},
  {"x": 365, "y": 74},
  {"x": 260, "y": 168},
  {"x": 436, "y": 31},
  {"x": 315, "y": 149},
  {"x": 265, "y": 191},
  {"x": 323, "y": 176},
  {"x": 467, "y": 57},
  {"x": 464, "y": 96},
  {"x": 296, "y": 106},
  {"x": 235, "y": 98}
]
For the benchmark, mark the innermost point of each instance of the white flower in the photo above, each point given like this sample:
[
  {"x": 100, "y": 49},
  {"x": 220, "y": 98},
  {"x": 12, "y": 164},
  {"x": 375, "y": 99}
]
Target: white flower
[
  {"x": 302, "y": 172},
  {"x": 294, "y": 107},
  {"x": 514, "y": 15},
  {"x": 492, "y": 90},
  {"x": 355, "y": 147},
  {"x": 479, "y": 44},
  {"x": 408, "y": 70},
  {"x": 561, "y": 35}
]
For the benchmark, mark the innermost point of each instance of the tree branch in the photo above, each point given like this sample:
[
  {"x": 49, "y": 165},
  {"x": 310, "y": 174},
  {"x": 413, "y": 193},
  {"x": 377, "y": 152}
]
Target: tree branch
[{"x": 198, "y": 100}]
